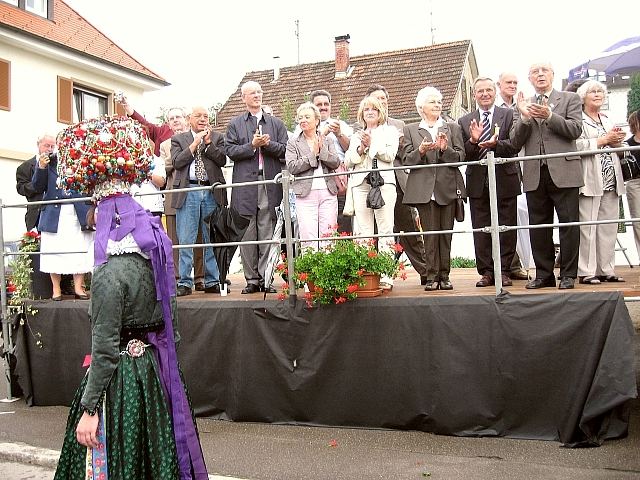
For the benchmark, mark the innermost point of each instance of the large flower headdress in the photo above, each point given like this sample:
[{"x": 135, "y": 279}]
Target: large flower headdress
[{"x": 103, "y": 156}]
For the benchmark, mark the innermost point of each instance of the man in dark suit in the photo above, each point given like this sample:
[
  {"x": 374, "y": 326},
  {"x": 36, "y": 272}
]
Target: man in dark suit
[
  {"x": 256, "y": 143},
  {"x": 198, "y": 157},
  {"x": 498, "y": 122},
  {"x": 24, "y": 175},
  {"x": 404, "y": 219},
  {"x": 550, "y": 122}
]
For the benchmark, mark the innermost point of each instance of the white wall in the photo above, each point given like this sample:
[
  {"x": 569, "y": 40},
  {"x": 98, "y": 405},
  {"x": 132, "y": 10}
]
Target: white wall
[{"x": 34, "y": 112}]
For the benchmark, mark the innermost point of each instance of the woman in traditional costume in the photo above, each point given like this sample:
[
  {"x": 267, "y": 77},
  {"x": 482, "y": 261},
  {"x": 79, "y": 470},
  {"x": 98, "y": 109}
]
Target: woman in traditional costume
[{"x": 131, "y": 418}]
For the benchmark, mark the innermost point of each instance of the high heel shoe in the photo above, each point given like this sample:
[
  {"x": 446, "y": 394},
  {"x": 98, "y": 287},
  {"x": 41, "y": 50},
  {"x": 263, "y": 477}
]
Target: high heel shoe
[{"x": 81, "y": 296}]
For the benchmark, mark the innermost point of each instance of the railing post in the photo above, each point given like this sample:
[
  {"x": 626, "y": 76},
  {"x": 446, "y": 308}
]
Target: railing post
[
  {"x": 495, "y": 224},
  {"x": 286, "y": 188},
  {"x": 7, "y": 346}
]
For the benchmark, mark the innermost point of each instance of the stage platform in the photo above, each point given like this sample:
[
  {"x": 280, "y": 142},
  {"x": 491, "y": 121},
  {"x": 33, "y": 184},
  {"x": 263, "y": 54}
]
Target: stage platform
[
  {"x": 463, "y": 280},
  {"x": 545, "y": 364}
]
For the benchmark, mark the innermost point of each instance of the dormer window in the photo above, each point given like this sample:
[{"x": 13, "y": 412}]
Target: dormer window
[{"x": 39, "y": 7}]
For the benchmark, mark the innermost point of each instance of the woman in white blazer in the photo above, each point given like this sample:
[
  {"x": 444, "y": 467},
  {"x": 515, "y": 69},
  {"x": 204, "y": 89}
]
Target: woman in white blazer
[
  {"x": 603, "y": 185},
  {"x": 375, "y": 146}
]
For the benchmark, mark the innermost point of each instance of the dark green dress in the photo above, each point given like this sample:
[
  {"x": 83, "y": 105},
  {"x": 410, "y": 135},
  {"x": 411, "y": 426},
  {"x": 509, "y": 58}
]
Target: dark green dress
[{"x": 139, "y": 432}]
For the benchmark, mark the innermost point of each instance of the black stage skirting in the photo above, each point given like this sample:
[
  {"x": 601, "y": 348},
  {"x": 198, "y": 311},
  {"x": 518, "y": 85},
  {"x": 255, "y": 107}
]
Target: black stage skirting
[{"x": 548, "y": 367}]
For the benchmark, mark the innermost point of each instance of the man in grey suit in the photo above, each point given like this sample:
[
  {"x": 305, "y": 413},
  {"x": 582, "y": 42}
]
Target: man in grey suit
[
  {"x": 550, "y": 122},
  {"x": 197, "y": 155},
  {"x": 499, "y": 122},
  {"x": 256, "y": 143},
  {"x": 404, "y": 219}
]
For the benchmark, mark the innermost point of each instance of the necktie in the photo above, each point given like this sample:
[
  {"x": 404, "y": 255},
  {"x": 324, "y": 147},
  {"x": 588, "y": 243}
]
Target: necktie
[
  {"x": 201, "y": 173},
  {"x": 486, "y": 134},
  {"x": 260, "y": 159}
]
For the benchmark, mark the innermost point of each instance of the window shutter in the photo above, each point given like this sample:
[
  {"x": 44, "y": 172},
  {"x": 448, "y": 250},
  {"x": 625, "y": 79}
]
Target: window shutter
[
  {"x": 5, "y": 85},
  {"x": 65, "y": 100}
]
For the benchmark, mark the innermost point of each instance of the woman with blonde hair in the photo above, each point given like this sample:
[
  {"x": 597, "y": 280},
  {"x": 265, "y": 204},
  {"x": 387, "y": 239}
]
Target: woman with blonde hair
[
  {"x": 603, "y": 185},
  {"x": 374, "y": 146},
  {"x": 309, "y": 155}
]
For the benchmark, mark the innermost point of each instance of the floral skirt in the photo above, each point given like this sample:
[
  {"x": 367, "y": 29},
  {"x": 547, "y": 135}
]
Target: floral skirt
[{"x": 139, "y": 433}]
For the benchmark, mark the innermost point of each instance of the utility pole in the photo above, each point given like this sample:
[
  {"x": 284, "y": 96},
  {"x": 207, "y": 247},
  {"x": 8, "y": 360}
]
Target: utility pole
[{"x": 297, "y": 22}]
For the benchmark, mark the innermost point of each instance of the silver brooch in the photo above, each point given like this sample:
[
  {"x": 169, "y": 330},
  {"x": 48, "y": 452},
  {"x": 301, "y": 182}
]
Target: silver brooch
[{"x": 135, "y": 348}]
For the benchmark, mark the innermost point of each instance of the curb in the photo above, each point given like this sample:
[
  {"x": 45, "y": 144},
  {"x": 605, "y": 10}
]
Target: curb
[{"x": 23, "y": 453}]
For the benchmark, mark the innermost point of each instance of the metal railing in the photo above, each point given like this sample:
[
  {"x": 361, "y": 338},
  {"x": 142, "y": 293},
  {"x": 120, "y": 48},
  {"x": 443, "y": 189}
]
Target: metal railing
[{"x": 286, "y": 180}]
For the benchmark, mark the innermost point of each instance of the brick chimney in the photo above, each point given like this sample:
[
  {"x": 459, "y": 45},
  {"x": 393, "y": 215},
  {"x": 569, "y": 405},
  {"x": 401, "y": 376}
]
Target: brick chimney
[{"x": 342, "y": 56}]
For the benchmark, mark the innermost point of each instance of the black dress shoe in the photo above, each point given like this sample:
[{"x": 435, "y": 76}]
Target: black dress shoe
[
  {"x": 540, "y": 283},
  {"x": 268, "y": 289},
  {"x": 485, "y": 281},
  {"x": 423, "y": 280},
  {"x": 199, "y": 287},
  {"x": 212, "y": 289},
  {"x": 81, "y": 296},
  {"x": 182, "y": 290},
  {"x": 445, "y": 284},
  {"x": 250, "y": 288},
  {"x": 566, "y": 283}
]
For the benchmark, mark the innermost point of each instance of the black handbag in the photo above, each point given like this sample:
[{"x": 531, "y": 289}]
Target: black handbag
[
  {"x": 374, "y": 197},
  {"x": 459, "y": 215},
  {"x": 459, "y": 212},
  {"x": 629, "y": 166}
]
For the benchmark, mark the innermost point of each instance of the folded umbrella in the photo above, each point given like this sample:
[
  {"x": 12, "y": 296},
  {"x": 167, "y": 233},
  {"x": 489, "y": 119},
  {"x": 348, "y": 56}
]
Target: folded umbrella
[{"x": 226, "y": 225}]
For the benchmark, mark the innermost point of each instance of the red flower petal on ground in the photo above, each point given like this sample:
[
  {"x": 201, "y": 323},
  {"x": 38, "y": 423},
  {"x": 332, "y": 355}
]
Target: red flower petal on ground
[
  {"x": 281, "y": 296},
  {"x": 333, "y": 443}
]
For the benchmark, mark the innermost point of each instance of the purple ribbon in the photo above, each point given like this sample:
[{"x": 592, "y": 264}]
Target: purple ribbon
[{"x": 118, "y": 216}]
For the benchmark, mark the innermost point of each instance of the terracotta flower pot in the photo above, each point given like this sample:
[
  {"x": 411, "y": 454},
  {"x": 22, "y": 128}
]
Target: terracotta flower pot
[{"x": 371, "y": 287}]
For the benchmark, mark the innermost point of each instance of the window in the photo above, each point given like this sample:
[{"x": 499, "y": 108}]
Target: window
[
  {"x": 43, "y": 8},
  {"x": 76, "y": 102},
  {"x": 5, "y": 85},
  {"x": 88, "y": 104},
  {"x": 39, "y": 7}
]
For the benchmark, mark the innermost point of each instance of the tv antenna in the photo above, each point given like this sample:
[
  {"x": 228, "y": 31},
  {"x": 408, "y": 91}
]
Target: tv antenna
[{"x": 297, "y": 22}]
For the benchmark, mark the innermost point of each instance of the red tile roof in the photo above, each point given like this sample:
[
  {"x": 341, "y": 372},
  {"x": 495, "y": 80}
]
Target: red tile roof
[
  {"x": 70, "y": 30},
  {"x": 402, "y": 72}
]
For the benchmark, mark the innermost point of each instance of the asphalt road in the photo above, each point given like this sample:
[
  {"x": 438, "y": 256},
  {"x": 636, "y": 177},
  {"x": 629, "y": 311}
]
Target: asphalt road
[{"x": 280, "y": 452}]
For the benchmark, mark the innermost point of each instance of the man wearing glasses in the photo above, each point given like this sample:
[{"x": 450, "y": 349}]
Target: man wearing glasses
[{"x": 550, "y": 122}]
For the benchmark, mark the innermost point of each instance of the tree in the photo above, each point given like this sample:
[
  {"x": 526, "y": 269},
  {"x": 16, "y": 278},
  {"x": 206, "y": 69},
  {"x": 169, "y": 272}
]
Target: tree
[
  {"x": 288, "y": 113},
  {"x": 633, "y": 97}
]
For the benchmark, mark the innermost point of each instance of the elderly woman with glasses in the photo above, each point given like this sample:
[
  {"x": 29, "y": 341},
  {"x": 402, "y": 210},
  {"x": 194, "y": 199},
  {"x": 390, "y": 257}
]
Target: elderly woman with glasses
[
  {"x": 374, "y": 146},
  {"x": 603, "y": 185},
  {"x": 433, "y": 191}
]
